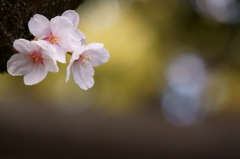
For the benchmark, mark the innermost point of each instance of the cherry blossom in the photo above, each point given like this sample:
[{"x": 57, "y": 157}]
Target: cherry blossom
[
  {"x": 53, "y": 39},
  {"x": 58, "y": 32},
  {"x": 33, "y": 61},
  {"x": 82, "y": 62}
]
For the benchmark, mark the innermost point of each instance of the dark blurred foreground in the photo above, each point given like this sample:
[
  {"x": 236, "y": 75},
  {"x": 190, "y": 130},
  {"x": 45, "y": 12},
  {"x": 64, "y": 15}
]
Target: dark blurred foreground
[{"x": 41, "y": 133}]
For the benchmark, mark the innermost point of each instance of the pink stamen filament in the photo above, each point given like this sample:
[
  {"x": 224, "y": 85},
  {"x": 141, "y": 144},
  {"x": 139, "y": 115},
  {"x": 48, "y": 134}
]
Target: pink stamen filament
[
  {"x": 36, "y": 58},
  {"x": 84, "y": 59},
  {"x": 52, "y": 39}
]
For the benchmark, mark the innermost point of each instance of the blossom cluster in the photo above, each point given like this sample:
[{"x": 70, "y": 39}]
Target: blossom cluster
[{"x": 53, "y": 40}]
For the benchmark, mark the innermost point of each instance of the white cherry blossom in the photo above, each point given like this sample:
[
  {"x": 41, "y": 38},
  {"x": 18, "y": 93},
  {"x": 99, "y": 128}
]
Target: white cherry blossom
[
  {"x": 53, "y": 39},
  {"x": 32, "y": 61},
  {"x": 58, "y": 33},
  {"x": 82, "y": 62}
]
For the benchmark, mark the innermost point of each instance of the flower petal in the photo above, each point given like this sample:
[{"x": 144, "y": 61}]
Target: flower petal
[
  {"x": 61, "y": 26},
  {"x": 59, "y": 54},
  {"x": 77, "y": 53},
  {"x": 81, "y": 36},
  {"x": 36, "y": 75},
  {"x": 94, "y": 46},
  {"x": 18, "y": 65},
  {"x": 23, "y": 46},
  {"x": 49, "y": 63},
  {"x": 43, "y": 44},
  {"x": 70, "y": 43},
  {"x": 52, "y": 51},
  {"x": 39, "y": 26},
  {"x": 73, "y": 16},
  {"x": 98, "y": 54},
  {"x": 75, "y": 56},
  {"x": 83, "y": 76},
  {"x": 68, "y": 71}
]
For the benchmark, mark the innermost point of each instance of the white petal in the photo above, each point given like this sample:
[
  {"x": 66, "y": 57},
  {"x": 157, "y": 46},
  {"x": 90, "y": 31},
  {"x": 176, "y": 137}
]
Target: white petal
[
  {"x": 39, "y": 26},
  {"x": 52, "y": 51},
  {"x": 68, "y": 71},
  {"x": 19, "y": 65},
  {"x": 94, "y": 46},
  {"x": 51, "y": 65},
  {"x": 49, "y": 62},
  {"x": 75, "y": 56},
  {"x": 98, "y": 56},
  {"x": 23, "y": 46},
  {"x": 61, "y": 26},
  {"x": 75, "y": 70},
  {"x": 73, "y": 16},
  {"x": 43, "y": 44},
  {"x": 69, "y": 44},
  {"x": 81, "y": 36},
  {"x": 83, "y": 76},
  {"x": 77, "y": 52},
  {"x": 36, "y": 75},
  {"x": 60, "y": 54}
]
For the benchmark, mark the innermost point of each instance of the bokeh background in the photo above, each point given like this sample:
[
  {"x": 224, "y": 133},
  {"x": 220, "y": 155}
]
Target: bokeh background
[{"x": 171, "y": 87}]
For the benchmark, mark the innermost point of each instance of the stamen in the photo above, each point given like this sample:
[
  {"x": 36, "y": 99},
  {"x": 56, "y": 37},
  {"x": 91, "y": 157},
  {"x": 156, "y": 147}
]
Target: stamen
[
  {"x": 85, "y": 59},
  {"x": 35, "y": 58},
  {"x": 52, "y": 39}
]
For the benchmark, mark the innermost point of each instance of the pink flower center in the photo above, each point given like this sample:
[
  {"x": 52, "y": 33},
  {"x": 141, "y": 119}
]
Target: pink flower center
[
  {"x": 84, "y": 59},
  {"x": 36, "y": 58},
  {"x": 52, "y": 39}
]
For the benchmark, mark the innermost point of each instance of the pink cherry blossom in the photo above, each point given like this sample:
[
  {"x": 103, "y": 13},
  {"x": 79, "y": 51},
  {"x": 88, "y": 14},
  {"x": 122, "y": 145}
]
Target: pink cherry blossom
[
  {"x": 32, "y": 61},
  {"x": 58, "y": 33}
]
